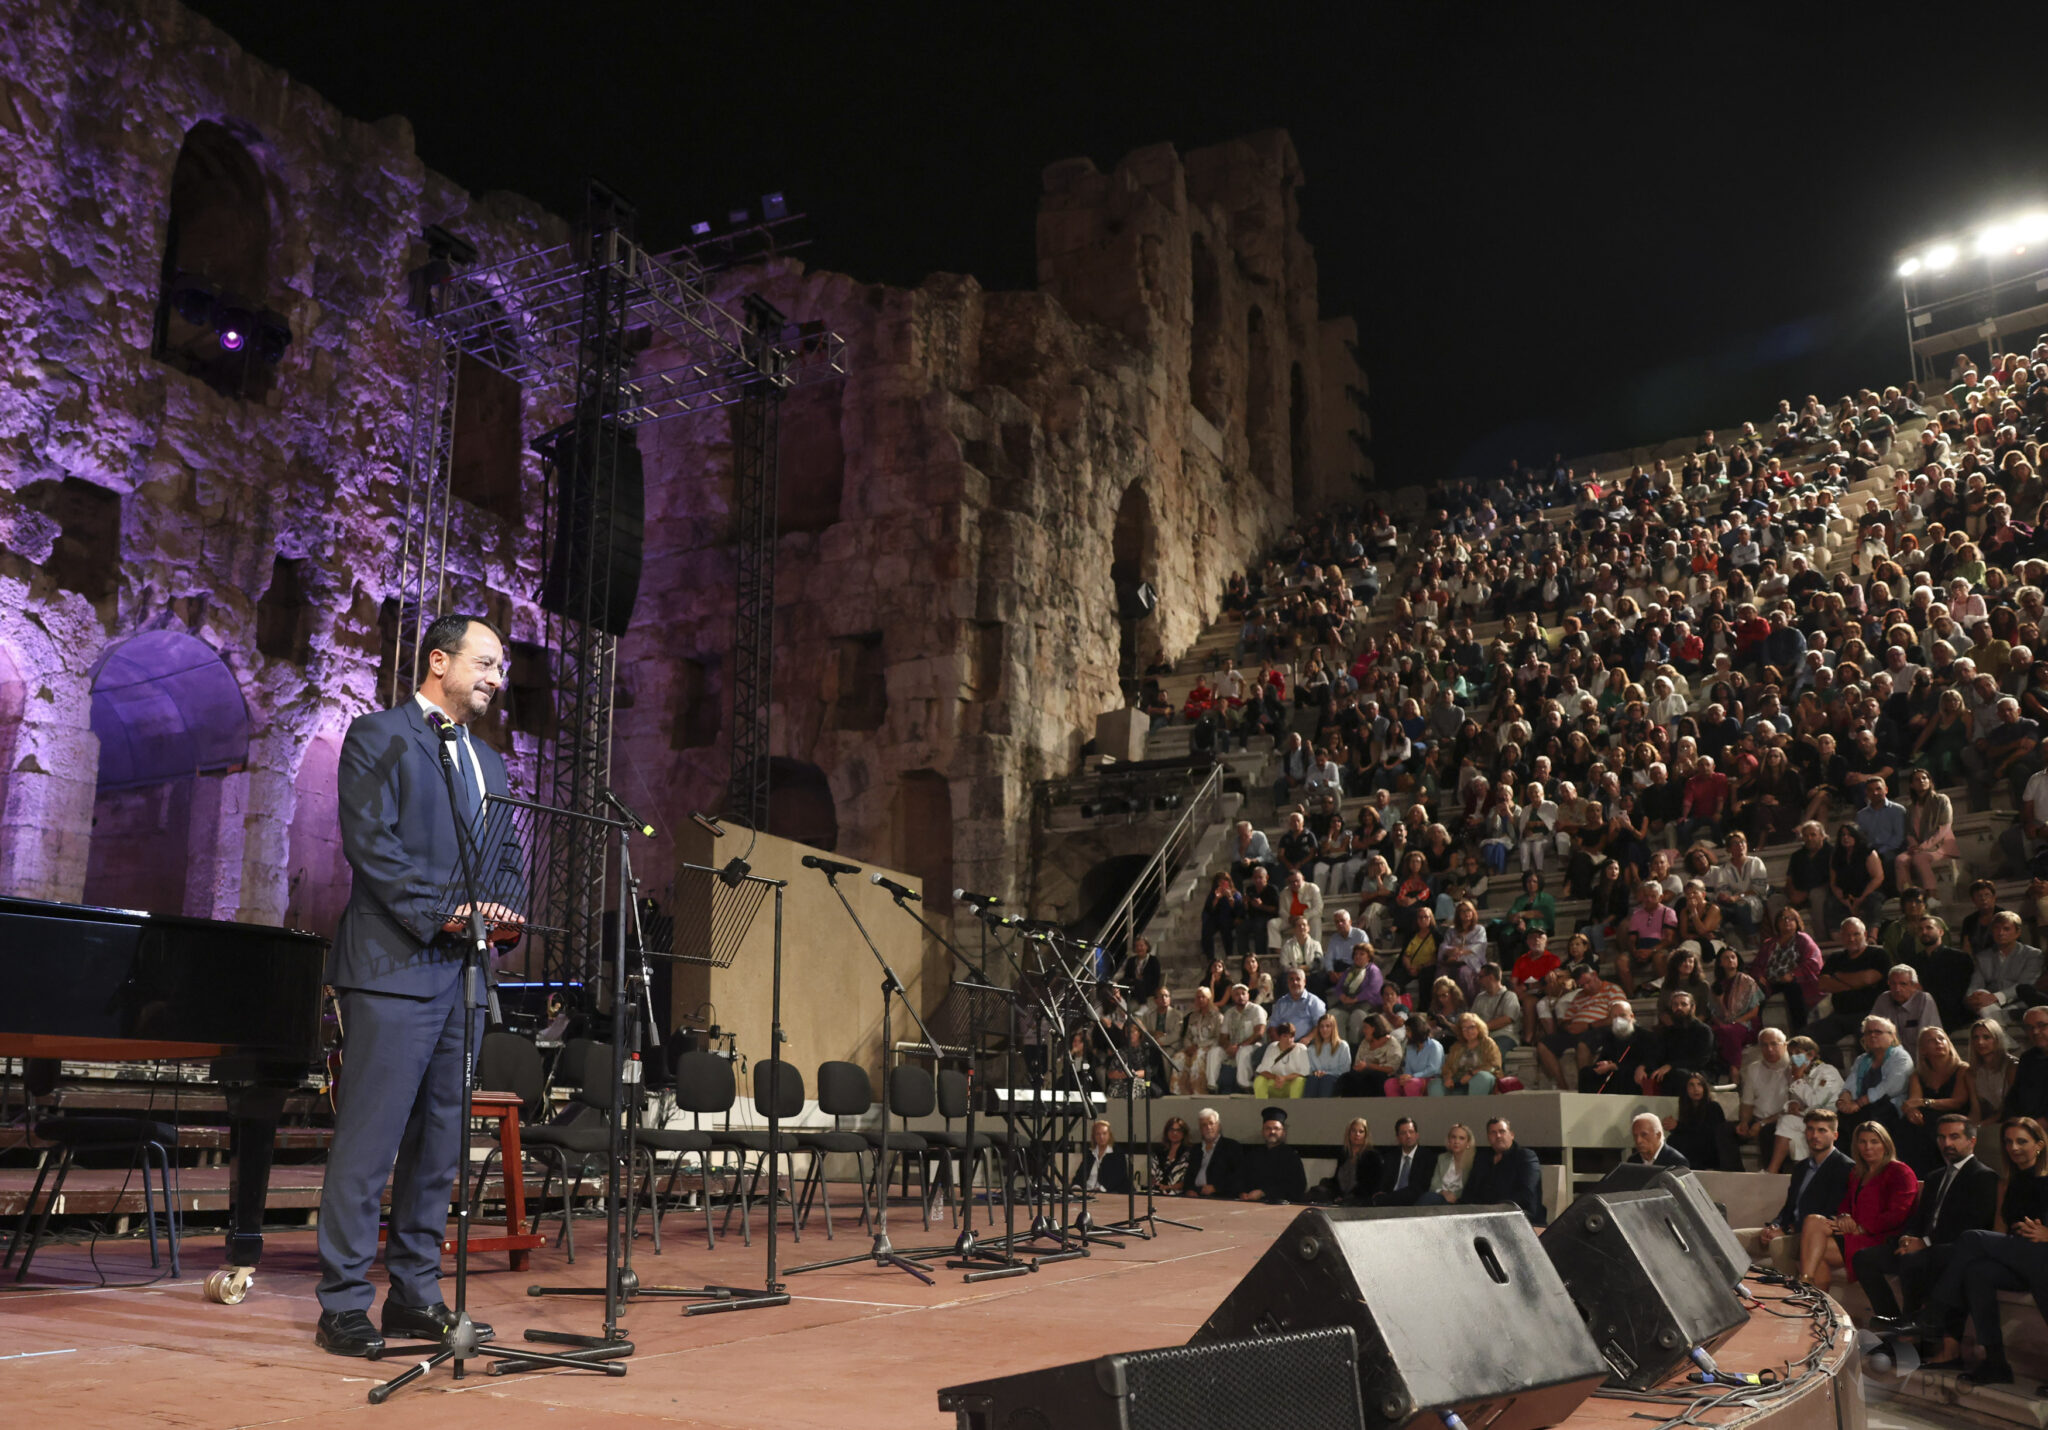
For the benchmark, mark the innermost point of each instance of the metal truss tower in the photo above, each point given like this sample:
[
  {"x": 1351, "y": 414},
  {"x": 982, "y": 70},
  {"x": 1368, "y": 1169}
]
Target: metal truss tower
[
  {"x": 754, "y": 460},
  {"x": 618, "y": 338}
]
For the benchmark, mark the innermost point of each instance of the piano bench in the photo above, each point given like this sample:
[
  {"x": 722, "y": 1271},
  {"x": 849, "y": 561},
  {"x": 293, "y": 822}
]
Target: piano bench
[{"x": 147, "y": 1140}]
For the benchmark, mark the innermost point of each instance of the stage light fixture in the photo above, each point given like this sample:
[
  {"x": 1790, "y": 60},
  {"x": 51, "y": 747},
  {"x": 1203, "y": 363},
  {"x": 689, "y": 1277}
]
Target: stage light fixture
[
  {"x": 1996, "y": 239},
  {"x": 2033, "y": 228},
  {"x": 1942, "y": 257},
  {"x": 773, "y": 207},
  {"x": 700, "y": 228},
  {"x": 235, "y": 325},
  {"x": 1909, "y": 268},
  {"x": 739, "y": 218}
]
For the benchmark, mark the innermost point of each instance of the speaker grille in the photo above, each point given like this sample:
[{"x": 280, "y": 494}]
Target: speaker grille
[{"x": 1235, "y": 1383}]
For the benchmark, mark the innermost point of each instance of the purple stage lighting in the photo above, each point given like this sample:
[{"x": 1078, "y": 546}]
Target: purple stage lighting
[
  {"x": 235, "y": 325},
  {"x": 231, "y": 339}
]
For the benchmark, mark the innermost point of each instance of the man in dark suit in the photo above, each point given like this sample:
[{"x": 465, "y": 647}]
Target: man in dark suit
[
  {"x": 1816, "y": 1189},
  {"x": 396, "y": 964},
  {"x": 1961, "y": 1196},
  {"x": 1646, "y": 1130},
  {"x": 1505, "y": 1172},
  {"x": 1405, "y": 1172},
  {"x": 1272, "y": 1171},
  {"x": 1216, "y": 1158}
]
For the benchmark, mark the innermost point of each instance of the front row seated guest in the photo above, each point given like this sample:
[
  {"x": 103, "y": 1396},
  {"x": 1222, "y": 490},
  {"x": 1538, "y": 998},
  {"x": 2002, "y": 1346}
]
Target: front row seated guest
[
  {"x": 1646, "y": 1130},
  {"x": 1357, "y": 1173},
  {"x": 1216, "y": 1158},
  {"x": 1407, "y": 1171},
  {"x": 1961, "y": 1195},
  {"x": 1875, "y": 1204},
  {"x": 1504, "y": 1171},
  {"x": 1173, "y": 1160},
  {"x": 2013, "y": 1256},
  {"x": 1103, "y": 1168},
  {"x": 1272, "y": 1171},
  {"x": 1453, "y": 1175},
  {"x": 1817, "y": 1184}
]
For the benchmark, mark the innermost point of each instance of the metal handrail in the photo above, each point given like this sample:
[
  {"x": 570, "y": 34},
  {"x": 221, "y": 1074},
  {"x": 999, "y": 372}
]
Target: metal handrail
[{"x": 1204, "y": 808}]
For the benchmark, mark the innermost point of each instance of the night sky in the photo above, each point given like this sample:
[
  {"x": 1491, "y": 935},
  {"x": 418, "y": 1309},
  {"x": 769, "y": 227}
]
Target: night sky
[{"x": 1557, "y": 228}]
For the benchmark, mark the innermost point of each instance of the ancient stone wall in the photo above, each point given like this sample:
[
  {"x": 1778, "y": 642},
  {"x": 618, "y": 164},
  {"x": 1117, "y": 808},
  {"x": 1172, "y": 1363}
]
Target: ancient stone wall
[{"x": 247, "y": 532}]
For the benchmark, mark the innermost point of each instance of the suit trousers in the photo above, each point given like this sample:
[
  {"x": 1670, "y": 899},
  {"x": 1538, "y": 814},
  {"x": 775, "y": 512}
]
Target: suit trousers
[
  {"x": 1986, "y": 1263},
  {"x": 400, "y": 1117},
  {"x": 1916, "y": 1271}
]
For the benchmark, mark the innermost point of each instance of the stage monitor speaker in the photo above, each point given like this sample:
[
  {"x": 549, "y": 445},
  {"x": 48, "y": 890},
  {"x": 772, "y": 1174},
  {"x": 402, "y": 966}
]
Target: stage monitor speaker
[
  {"x": 600, "y": 522},
  {"x": 1645, "y": 1288},
  {"x": 1454, "y": 1308},
  {"x": 1222, "y": 1385},
  {"x": 1705, "y": 1221}
]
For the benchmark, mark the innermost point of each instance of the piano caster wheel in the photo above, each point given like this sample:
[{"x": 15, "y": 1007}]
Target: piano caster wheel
[{"x": 229, "y": 1285}]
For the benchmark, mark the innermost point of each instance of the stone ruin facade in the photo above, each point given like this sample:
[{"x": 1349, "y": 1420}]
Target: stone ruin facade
[{"x": 198, "y": 550}]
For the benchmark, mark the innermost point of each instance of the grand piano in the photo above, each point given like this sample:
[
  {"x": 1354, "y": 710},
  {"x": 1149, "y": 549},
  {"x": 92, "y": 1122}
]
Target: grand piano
[{"x": 116, "y": 985}]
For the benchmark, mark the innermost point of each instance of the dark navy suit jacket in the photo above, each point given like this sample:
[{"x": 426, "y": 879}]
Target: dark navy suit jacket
[{"x": 398, "y": 834}]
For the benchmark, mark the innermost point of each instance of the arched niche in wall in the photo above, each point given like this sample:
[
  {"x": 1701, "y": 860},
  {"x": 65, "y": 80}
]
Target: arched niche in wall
[
  {"x": 169, "y": 715},
  {"x": 1207, "y": 387},
  {"x": 800, "y": 804},
  {"x": 317, "y": 873},
  {"x": 810, "y": 471},
  {"x": 1102, "y": 888},
  {"x": 1259, "y": 395},
  {"x": 921, "y": 833},
  {"x": 217, "y": 244},
  {"x": 1297, "y": 442},
  {"x": 1134, "y": 558}
]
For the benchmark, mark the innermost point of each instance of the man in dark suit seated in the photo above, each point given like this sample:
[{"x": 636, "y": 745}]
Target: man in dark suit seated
[
  {"x": 1272, "y": 1171},
  {"x": 1961, "y": 1196},
  {"x": 1405, "y": 1172},
  {"x": 1216, "y": 1158},
  {"x": 1646, "y": 1129},
  {"x": 1816, "y": 1190},
  {"x": 1502, "y": 1171}
]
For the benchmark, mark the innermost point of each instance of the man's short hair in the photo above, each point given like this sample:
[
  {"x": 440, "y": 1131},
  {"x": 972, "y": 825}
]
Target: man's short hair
[
  {"x": 1906, "y": 968},
  {"x": 1283, "y": 1026},
  {"x": 1489, "y": 970},
  {"x": 1493, "y": 1122},
  {"x": 1950, "y": 1118},
  {"x": 1207, "y": 1113},
  {"x": 1821, "y": 1114},
  {"x": 1401, "y": 1122},
  {"x": 448, "y": 632},
  {"x": 1646, "y": 1117}
]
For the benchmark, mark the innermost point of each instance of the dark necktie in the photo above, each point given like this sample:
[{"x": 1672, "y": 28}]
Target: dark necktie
[
  {"x": 465, "y": 774},
  {"x": 1401, "y": 1182}
]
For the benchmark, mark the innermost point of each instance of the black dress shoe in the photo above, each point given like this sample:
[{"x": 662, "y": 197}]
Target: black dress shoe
[
  {"x": 1992, "y": 1372},
  {"x": 1906, "y": 1327},
  {"x": 348, "y": 1333},
  {"x": 426, "y": 1323},
  {"x": 1952, "y": 1363}
]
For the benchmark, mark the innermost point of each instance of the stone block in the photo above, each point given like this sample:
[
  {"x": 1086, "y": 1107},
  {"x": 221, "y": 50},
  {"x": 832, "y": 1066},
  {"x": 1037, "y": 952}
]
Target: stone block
[{"x": 1120, "y": 734}]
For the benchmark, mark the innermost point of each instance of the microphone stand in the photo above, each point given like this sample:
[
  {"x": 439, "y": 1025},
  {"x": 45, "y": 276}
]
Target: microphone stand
[
  {"x": 881, "y": 1252},
  {"x": 1151, "y": 1217},
  {"x": 1084, "y": 1226},
  {"x": 1078, "y": 1226},
  {"x": 462, "y": 1343},
  {"x": 986, "y": 1265}
]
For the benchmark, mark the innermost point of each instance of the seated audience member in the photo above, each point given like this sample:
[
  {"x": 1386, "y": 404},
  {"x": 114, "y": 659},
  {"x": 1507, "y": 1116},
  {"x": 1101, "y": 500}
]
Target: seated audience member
[
  {"x": 1646, "y": 1131},
  {"x": 1503, "y": 1171},
  {"x": 1592, "y": 1004},
  {"x": 1959, "y": 1195},
  {"x": 1874, "y": 1090},
  {"x": 1408, "y": 1169},
  {"x": 2028, "y": 1094},
  {"x": 2008, "y": 973},
  {"x": 1357, "y": 1173},
  {"x": 1700, "y": 1132},
  {"x": 1244, "y": 1037},
  {"x": 1734, "y": 1007},
  {"x": 1875, "y": 1204},
  {"x": 1103, "y": 1167},
  {"x": 1788, "y": 963},
  {"x": 1422, "y": 1058},
  {"x": 1216, "y": 1157},
  {"x": 1472, "y": 1063},
  {"x": 1647, "y": 938},
  {"x": 1612, "y": 1053},
  {"x": 1992, "y": 1069},
  {"x": 1906, "y": 1005},
  {"x": 1941, "y": 968},
  {"x": 1329, "y": 1058},
  {"x": 1284, "y": 1069},
  {"x": 1765, "y": 1085},
  {"x": 1683, "y": 1044},
  {"x": 1940, "y": 1085},
  {"x": 1815, "y": 1190},
  {"x": 1853, "y": 979},
  {"x": 1297, "y": 1006},
  {"x": 1497, "y": 1008},
  {"x": 1453, "y": 1173},
  {"x": 1173, "y": 1160},
  {"x": 1201, "y": 1035},
  {"x": 1272, "y": 1171},
  {"x": 1356, "y": 994},
  {"x": 2007, "y": 1258}
]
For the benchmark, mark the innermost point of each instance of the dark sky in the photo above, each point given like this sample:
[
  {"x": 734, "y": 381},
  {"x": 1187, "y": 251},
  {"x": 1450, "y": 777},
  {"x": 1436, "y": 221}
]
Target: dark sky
[{"x": 1557, "y": 227}]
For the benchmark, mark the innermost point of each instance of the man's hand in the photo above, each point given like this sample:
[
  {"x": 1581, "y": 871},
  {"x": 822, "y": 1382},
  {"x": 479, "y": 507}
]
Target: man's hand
[
  {"x": 498, "y": 919},
  {"x": 2032, "y": 1230},
  {"x": 1254, "y": 1195},
  {"x": 1910, "y": 1244},
  {"x": 1980, "y": 1000}
]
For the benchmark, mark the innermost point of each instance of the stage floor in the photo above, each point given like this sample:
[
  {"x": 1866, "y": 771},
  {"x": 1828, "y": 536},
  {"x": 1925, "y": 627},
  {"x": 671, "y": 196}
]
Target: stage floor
[{"x": 859, "y": 1347}]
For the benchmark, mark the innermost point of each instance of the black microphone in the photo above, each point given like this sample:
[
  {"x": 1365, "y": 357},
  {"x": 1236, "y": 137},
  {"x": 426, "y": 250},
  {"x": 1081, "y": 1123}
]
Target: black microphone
[
  {"x": 1003, "y": 920},
  {"x": 438, "y": 721},
  {"x": 646, "y": 830},
  {"x": 830, "y": 866},
  {"x": 895, "y": 888},
  {"x": 969, "y": 896},
  {"x": 707, "y": 822}
]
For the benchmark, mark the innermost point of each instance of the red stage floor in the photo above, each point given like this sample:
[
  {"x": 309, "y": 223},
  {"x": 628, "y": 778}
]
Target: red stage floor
[{"x": 858, "y": 1348}]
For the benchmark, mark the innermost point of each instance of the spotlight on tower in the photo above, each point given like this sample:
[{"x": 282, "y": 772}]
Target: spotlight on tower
[
  {"x": 1942, "y": 257},
  {"x": 1909, "y": 268}
]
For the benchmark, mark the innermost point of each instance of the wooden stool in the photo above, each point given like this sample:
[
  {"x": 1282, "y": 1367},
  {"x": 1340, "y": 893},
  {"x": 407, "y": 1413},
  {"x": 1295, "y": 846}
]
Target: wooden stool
[{"x": 504, "y": 1107}]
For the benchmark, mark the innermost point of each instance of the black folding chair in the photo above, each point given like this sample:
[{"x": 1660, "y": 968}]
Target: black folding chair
[{"x": 844, "y": 1090}]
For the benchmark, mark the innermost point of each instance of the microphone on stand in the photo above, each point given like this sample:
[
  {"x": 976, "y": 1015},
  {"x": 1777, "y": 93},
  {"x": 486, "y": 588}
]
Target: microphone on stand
[
  {"x": 898, "y": 890},
  {"x": 968, "y": 896},
  {"x": 829, "y": 866}
]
